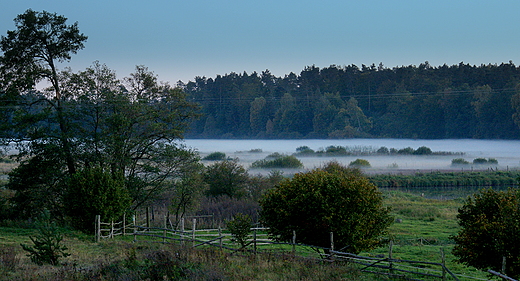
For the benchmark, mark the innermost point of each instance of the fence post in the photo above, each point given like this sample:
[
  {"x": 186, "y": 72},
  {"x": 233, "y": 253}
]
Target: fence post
[
  {"x": 254, "y": 240},
  {"x": 331, "y": 243},
  {"x": 182, "y": 231},
  {"x": 443, "y": 259},
  {"x": 147, "y": 217},
  {"x": 293, "y": 242},
  {"x": 220, "y": 237},
  {"x": 124, "y": 224},
  {"x": 98, "y": 227},
  {"x": 390, "y": 249},
  {"x": 165, "y": 226},
  {"x": 503, "y": 264},
  {"x": 134, "y": 222},
  {"x": 111, "y": 229},
  {"x": 194, "y": 226}
]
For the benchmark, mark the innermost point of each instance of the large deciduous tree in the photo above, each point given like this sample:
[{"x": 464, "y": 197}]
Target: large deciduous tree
[
  {"x": 331, "y": 199},
  {"x": 87, "y": 120},
  {"x": 489, "y": 222}
]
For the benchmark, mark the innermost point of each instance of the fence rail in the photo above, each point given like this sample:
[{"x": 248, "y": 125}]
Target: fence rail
[{"x": 259, "y": 241}]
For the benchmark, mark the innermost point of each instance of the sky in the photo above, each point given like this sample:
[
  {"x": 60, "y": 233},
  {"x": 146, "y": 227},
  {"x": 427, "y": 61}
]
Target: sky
[{"x": 179, "y": 40}]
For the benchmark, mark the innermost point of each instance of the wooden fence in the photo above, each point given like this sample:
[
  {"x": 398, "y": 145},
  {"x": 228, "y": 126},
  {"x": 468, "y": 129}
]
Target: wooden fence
[{"x": 259, "y": 241}]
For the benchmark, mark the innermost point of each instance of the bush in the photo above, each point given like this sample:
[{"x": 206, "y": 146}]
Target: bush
[
  {"x": 332, "y": 199},
  {"x": 480, "y": 161},
  {"x": 240, "y": 228},
  {"x": 94, "y": 192},
  {"x": 423, "y": 150},
  {"x": 47, "y": 243},
  {"x": 406, "y": 151},
  {"x": 360, "y": 163},
  {"x": 278, "y": 161},
  {"x": 459, "y": 161},
  {"x": 489, "y": 222},
  {"x": 304, "y": 150},
  {"x": 383, "y": 150},
  {"x": 226, "y": 178},
  {"x": 215, "y": 156}
]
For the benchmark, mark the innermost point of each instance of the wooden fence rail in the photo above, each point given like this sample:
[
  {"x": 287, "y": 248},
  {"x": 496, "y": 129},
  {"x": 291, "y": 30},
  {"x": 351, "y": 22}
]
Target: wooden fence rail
[{"x": 222, "y": 239}]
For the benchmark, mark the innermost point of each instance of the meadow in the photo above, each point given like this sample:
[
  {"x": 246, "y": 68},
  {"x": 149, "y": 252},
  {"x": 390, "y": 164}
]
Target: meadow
[{"x": 421, "y": 232}]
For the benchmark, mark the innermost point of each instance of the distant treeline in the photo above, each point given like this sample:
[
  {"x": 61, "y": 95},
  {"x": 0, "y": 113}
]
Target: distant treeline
[
  {"x": 458, "y": 101},
  {"x": 448, "y": 179}
]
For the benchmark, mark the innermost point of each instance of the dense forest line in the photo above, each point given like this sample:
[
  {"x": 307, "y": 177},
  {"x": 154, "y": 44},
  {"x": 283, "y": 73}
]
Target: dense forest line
[{"x": 458, "y": 101}]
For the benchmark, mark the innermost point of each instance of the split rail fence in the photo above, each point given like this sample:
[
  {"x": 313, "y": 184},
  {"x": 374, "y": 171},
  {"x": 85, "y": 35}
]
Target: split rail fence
[{"x": 259, "y": 241}]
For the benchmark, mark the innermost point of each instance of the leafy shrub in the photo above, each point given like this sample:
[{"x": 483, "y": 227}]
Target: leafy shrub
[
  {"x": 333, "y": 199},
  {"x": 459, "y": 161},
  {"x": 226, "y": 178},
  {"x": 383, "y": 150},
  {"x": 215, "y": 156},
  {"x": 489, "y": 222},
  {"x": 256, "y": 150},
  {"x": 240, "y": 228},
  {"x": 360, "y": 163},
  {"x": 423, "y": 150},
  {"x": 47, "y": 242},
  {"x": 336, "y": 150},
  {"x": 304, "y": 150},
  {"x": 94, "y": 192},
  {"x": 406, "y": 151},
  {"x": 282, "y": 161},
  {"x": 480, "y": 161}
]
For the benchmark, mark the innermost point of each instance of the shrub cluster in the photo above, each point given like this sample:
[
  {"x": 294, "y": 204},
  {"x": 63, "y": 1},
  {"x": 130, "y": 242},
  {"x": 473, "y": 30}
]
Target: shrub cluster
[
  {"x": 215, "y": 156},
  {"x": 278, "y": 161},
  {"x": 369, "y": 150},
  {"x": 476, "y": 161}
]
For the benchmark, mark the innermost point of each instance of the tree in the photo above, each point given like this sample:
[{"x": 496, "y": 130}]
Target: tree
[
  {"x": 30, "y": 54},
  {"x": 92, "y": 192},
  {"x": 226, "y": 178},
  {"x": 489, "y": 222},
  {"x": 331, "y": 199}
]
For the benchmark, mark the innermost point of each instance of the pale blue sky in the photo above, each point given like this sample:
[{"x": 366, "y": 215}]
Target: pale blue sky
[{"x": 179, "y": 40}]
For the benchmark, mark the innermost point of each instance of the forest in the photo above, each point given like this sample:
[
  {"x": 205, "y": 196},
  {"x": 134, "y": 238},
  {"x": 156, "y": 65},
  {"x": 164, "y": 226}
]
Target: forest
[{"x": 424, "y": 101}]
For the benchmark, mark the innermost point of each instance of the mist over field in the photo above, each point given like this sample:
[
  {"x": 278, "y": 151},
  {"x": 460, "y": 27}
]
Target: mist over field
[{"x": 506, "y": 152}]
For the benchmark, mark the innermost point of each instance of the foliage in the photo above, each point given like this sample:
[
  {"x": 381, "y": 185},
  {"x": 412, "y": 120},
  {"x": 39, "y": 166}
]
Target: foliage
[
  {"x": 423, "y": 150},
  {"x": 278, "y": 161},
  {"x": 361, "y": 163},
  {"x": 413, "y": 101},
  {"x": 459, "y": 161},
  {"x": 226, "y": 178},
  {"x": 440, "y": 180},
  {"x": 332, "y": 199},
  {"x": 215, "y": 156},
  {"x": 489, "y": 222},
  {"x": 92, "y": 192},
  {"x": 186, "y": 193},
  {"x": 240, "y": 228},
  {"x": 48, "y": 246}
]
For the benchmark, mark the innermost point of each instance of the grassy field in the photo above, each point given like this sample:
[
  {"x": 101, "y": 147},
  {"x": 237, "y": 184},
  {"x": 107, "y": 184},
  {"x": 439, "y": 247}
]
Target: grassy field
[{"x": 422, "y": 232}]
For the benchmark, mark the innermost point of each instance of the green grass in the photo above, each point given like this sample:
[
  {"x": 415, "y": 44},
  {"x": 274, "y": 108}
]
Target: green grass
[{"x": 422, "y": 234}]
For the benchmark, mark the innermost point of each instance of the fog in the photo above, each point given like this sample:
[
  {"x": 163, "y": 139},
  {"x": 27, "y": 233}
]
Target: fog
[{"x": 506, "y": 152}]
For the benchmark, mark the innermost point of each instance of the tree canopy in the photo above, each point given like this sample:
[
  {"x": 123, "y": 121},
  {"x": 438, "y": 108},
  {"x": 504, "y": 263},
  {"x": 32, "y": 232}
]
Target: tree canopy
[
  {"x": 414, "y": 101},
  {"x": 330, "y": 199},
  {"x": 87, "y": 127},
  {"x": 489, "y": 222}
]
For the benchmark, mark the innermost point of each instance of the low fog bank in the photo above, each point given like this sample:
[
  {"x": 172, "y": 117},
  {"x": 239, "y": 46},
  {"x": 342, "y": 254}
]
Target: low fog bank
[{"x": 506, "y": 152}]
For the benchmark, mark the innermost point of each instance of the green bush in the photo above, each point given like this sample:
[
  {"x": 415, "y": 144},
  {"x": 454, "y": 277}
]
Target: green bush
[
  {"x": 240, "y": 228},
  {"x": 361, "y": 163},
  {"x": 480, "y": 161},
  {"x": 48, "y": 248},
  {"x": 423, "y": 150},
  {"x": 281, "y": 161},
  {"x": 406, "y": 151},
  {"x": 333, "y": 199},
  {"x": 215, "y": 156},
  {"x": 94, "y": 192},
  {"x": 459, "y": 161},
  {"x": 304, "y": 150}
]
